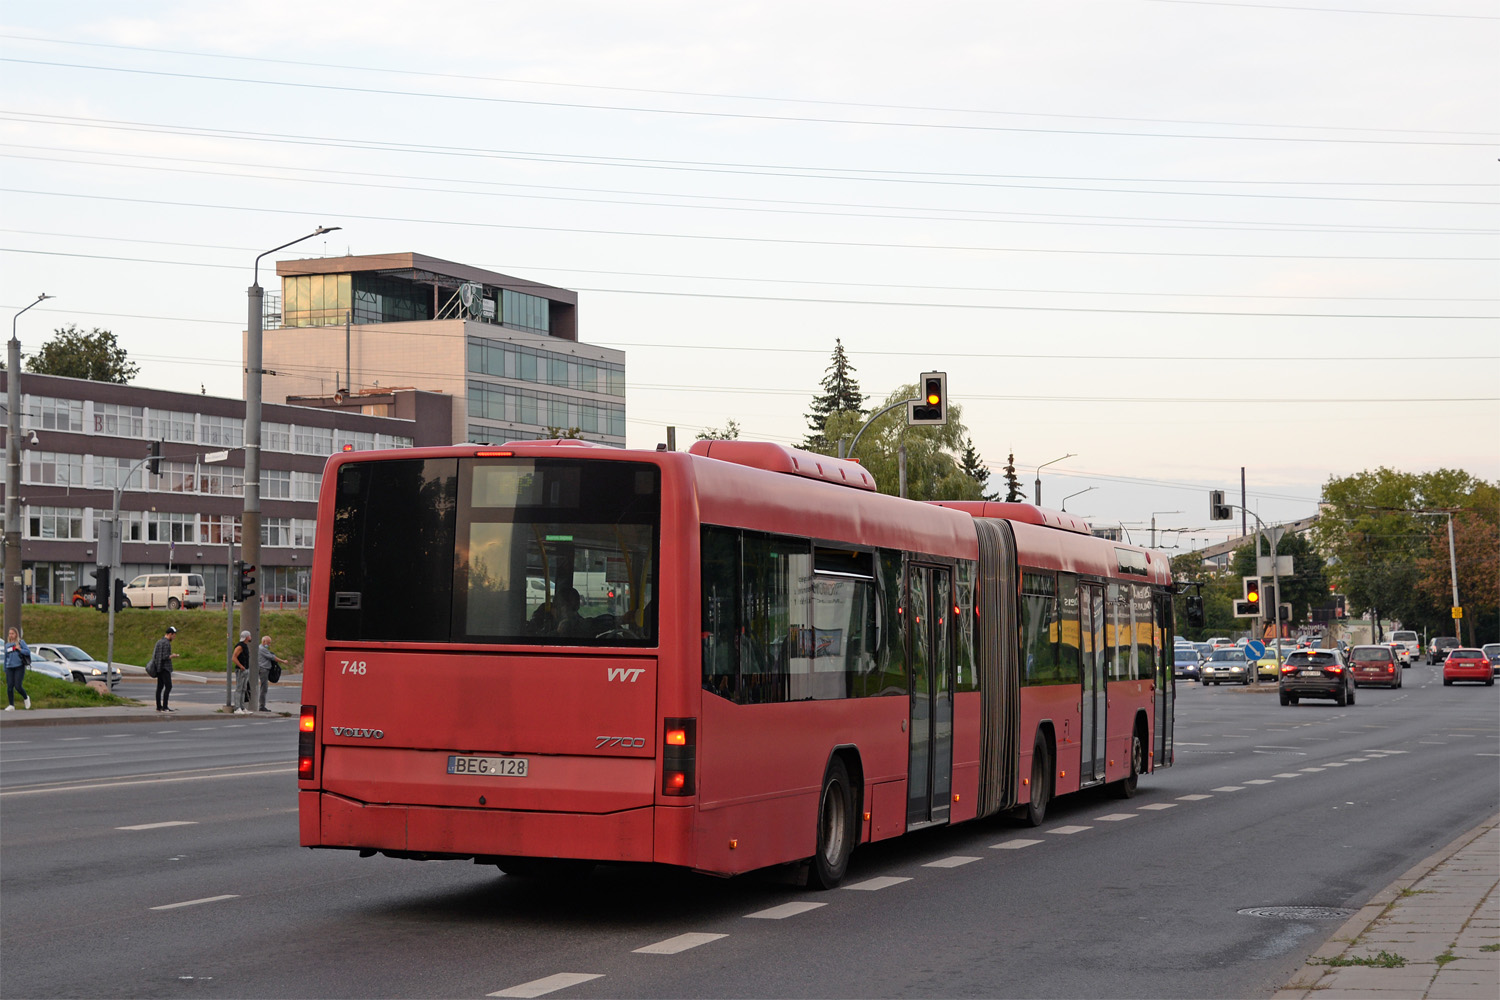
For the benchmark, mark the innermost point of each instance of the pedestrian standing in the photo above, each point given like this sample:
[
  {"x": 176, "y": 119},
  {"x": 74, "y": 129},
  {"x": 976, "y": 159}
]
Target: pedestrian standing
[
  {"x": 241, "y": 667},
  {"x": 17, "y": 658},
  {"x": 162, "y": 657},
  {"x": 268, "y": 660}
]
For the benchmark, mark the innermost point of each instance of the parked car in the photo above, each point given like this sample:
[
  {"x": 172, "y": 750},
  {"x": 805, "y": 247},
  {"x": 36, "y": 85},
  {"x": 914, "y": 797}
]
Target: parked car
[
  {"x": 83, "y": 597},
  {"x": 1316, "y": 673},
  {"x": 165, "y": 590},
  {"x": 1185, "y": 663},
  {"x": 47, "y": 668},
  {"x": 1226, "y": 665},
  {"x": 1465, "y": 664},
  {"x": 1491, "y": 651},
  {"x": 1438, "y": 646},
  {"x": 81, "y": 666},
  {"x": 1410, "y": 640},
  {"x": 1376, "y": 665}
]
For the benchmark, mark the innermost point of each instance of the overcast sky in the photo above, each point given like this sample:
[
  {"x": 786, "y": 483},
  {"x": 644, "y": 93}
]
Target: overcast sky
[{"x": 1171, "y": 237}]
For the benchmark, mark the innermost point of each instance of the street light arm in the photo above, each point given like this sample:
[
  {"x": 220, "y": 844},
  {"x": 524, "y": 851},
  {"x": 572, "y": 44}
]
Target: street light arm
[
  {"x": 1039, "y": 469},
  {"x": 888, "y": 409},
  {"x": 316, "y": 232}
]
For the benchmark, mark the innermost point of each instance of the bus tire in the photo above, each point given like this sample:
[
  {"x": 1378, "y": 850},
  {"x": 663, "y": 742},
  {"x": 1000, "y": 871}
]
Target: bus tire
[
  {"x": 545, "y": 869},
  {"x": 1041, "y": 784},
  {"x": 1125, "y": 788},
  {"x": 837, "y": 831}
]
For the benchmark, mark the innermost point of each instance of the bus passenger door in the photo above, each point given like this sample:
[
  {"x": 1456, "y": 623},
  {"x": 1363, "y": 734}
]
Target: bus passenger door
[
  {"x": 1093, "y": 711},
  {"x": 930, "y": 769}
]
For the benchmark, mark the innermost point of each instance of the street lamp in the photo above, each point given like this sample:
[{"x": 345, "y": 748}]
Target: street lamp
[
  {"x": 1039, "y": 469},
  {"x": 1072, "y": 495},
  {"x": 1153, "y": 523},
  {"x": 13, "y": 476},
  {"x": 250, "y": 526}
]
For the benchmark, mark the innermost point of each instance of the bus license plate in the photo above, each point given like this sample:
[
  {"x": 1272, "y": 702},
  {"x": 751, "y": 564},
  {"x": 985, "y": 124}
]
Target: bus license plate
[{"x": 504, "y": 767}]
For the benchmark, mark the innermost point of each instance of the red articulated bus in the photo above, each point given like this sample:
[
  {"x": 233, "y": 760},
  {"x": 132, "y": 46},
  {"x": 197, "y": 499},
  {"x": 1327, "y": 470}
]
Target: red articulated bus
[{"x": 549, "y": 654}]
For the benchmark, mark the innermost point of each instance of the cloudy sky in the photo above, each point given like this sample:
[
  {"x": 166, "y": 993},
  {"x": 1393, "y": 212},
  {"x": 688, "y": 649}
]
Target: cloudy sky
[{"x": 1173, "y": 238}]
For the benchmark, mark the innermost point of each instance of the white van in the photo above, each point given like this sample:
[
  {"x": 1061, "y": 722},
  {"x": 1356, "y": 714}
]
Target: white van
[
  {"x": 1410, "y": 640},
  {"x": 165, "y": 590}
]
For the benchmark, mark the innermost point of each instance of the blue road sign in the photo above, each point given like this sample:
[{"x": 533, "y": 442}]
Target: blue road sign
[{"x": 1255, "y": 649}]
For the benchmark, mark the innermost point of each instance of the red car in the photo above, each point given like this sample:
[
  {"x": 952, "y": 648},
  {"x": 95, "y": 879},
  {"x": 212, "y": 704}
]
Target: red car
[
  {"x": 1375, "y": 665},
  {"x": 1467, "y": 665}
]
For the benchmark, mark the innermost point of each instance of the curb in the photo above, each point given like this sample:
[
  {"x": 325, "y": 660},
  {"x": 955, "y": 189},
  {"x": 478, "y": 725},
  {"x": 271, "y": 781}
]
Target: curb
[
  {"x": 1352, "y": 929},
  {"x": 75, "y": 716}
]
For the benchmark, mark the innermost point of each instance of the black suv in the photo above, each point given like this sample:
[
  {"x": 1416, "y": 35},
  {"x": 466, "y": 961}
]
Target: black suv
[
  {"x": 1316, "y": 673},
  {"x": 1437, "y": 649}
]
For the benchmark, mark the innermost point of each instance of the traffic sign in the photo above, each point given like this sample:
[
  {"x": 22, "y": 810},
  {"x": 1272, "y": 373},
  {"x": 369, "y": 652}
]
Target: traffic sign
[
  {"x": 1458, "y": 613},
  {"x": 1255, "y": 649}
]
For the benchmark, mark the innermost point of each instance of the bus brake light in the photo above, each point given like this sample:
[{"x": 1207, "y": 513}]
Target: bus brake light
[
  {"x": 679, "y": 757},
  {"x": 307, "y": 739}
]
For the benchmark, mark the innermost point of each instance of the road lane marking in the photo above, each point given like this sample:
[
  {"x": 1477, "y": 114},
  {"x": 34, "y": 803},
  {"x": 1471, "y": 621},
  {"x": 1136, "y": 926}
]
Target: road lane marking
[
  {"x": 953, "y": 862},
  {"x": 1432, "y": 743},
  {"x": 1065, "y": 830},
  {"x": 1272, "y": 746},
  {"x": 882, "y": 882},
  {"x": 551, "y": 984},
  {"x": 160, "y": 826},
  {"x": 1260, "y": 781},
  {"x": 74, "y": 739},
  {"x": 676, "y": 945},
  {"x": 1313, "y": 770},
  {"x": 1182, "y": 744},
  {"x": 1287, "y": 774},
  {"x": 1160, "y": 805},
  {"x": 1114, "y": 817},
  {"x": 1230, "y": 788},
  {"x": 1334, "y": 763},
  {"x": 1013, "y": 845},
  {"x": 148, "y": 781},
  {"x": 195, "y": 902},
  {"x": 119, "y": 736},
  {"x": 783, "y": 911},
  {"x": 1193, "y": 798}
]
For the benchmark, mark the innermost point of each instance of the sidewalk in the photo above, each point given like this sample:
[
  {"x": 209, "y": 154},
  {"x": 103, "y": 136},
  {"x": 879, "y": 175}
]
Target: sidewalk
[
  {"x": 140, "y": 713},
  {"x": 1442, "y": 918}
]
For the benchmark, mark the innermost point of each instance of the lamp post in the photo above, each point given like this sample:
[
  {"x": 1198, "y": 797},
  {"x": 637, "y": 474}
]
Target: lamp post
[
  {"x": 1039, "y": 469},
  {"x": 13, "y": 476},
  {"x": 1153, "y": 523},
  {"x": 250, "y": 526},
  {"x": 1072, "y": 495}
]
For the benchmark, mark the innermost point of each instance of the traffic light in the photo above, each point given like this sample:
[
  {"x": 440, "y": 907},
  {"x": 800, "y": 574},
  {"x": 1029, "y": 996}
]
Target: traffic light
[
  {"x": 153, "y": 453},
  {"x": 1194, "y": 609},
  {"x": 1252, "y": 591},
  {"x": 1218, "y": 510},
  {"x": 101, "y": 588},
  {"x": 244, "y": 580},
  {"x": 119, "y": 586},
  {"x": 932, "y": 407},
  {"x": 1268, "y": 599}
]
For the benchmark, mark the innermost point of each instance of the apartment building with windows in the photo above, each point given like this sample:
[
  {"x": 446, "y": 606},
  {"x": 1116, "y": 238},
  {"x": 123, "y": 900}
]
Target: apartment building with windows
[
  {"x": 504, "y": 349},
  {"x": 80, "y": 440}
]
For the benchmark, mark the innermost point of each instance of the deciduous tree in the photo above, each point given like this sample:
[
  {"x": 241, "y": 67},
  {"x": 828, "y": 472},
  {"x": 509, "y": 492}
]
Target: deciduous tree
[{"x": 74, "y": 354}]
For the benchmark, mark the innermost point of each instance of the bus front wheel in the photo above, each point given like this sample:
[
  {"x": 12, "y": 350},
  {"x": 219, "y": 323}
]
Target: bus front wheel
[
  {"x": 1041, "y": 784},
  {"x": 836, "y": 828}
]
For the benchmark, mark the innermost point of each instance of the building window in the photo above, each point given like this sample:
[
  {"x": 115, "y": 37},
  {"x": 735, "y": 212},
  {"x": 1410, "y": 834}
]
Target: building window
[
  {"x": 168, "y": 426},
  {"x": 276, "y": 531},
  {"x": 109, "y": 473},
  {"x": 276, "y": 437},
  {"x": 46, "y": 413},
  {"x": 383, "y": 441},
  {"x": 229, "y": 432},
  {"x": 360, "y": 440},
  {"x": 218, "y": 529},
  {"x": 316, "y": 299},
  {"x": 176, "y": 477},
  {"x": 53, "y": 468},
  {"x": 162, "y": 527},
  {"x": 119, "y": 421},
  {"x": 54, "y": 522},
  {"x": 222, "y": 480},
  {"x": 276, "y": 484},
  {"x": 312, "y": 440},
  {"x": 132, "y": 524},
  {"x": 305, "y": 485},
  {"x": 529, "y": 312},
  {"x": 302, "y": 532}
]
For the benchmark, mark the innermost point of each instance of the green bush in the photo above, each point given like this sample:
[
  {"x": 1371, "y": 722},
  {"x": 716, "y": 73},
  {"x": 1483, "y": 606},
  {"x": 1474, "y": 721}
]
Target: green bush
[
  {"x": 49, "y": 692},
  {"x": 201, "y": 633}
]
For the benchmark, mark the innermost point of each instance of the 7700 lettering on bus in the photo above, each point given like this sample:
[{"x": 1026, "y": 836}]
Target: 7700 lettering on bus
[{"x": 503, "y": 767}]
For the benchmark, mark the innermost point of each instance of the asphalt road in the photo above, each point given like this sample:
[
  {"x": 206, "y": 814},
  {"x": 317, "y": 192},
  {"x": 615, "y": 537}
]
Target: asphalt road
[{"x": 1305, "y": 805}]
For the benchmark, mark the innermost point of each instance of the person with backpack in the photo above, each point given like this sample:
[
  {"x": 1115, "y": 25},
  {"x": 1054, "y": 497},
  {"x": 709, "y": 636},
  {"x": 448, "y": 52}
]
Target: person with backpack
[
  {"x": 160, "y": 667},
  {"x": 269, "y": 663},
  {"x": 241, "y": 660},
  {"x": 17, "y": 659}
]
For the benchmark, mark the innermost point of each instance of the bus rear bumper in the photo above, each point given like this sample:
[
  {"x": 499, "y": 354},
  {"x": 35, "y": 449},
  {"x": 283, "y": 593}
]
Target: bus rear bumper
[{"x": 329, "y": 820}]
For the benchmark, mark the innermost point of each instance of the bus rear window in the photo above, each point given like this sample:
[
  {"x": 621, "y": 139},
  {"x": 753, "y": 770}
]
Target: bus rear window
[{"x": 514, "y": 550}]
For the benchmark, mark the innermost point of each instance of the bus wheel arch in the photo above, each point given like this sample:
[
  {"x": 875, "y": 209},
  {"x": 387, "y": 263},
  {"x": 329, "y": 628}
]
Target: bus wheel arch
[{"x": 838, "y": 825}]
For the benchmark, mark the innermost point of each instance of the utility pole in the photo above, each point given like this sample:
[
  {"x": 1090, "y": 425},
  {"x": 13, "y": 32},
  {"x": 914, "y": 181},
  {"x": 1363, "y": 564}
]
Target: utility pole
[{"x": 13, "y": 595}]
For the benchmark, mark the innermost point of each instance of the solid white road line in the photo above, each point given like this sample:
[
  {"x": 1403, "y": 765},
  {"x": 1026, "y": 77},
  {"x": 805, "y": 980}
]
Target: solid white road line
[
  {"x": 1065, "y": 830},
  {"x": 1013, "y": 845},
  {"x": 783, "y": 911},
  {"x": 882, "y": 882},
  {"x": 952, "y": 862},
  {"x": 680, "y": 943},
  {"x": 551, "y": 984},
  {"x": 160, "y": 826},
  {"x": 195, "y": 902}
]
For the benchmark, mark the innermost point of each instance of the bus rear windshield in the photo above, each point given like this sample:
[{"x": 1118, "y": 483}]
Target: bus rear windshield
[{"x": 508, "y": 550}]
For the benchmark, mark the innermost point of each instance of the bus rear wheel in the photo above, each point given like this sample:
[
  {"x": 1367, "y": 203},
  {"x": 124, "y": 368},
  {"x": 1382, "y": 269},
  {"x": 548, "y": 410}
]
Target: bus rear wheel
[
  {"x": 1125, "y": 788},
  {"x": 836, "y": 828},
  {"x": 1041, "y": 785}
]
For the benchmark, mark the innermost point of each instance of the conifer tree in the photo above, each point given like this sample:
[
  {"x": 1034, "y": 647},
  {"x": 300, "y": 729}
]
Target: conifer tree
[
  {"x": 841, "y": 394},
  {"x": 1013, "y": 492}
]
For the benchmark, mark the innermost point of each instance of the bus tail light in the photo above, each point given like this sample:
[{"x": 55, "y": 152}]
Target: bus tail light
[
  {"x": 307, "y": 738},
  {"x": 679, "y": 757}
]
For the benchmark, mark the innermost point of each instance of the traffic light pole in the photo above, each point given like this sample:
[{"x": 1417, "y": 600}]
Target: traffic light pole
[
  {"x": 1275, "y": 586},
  {"x": 114, "y": 562}
]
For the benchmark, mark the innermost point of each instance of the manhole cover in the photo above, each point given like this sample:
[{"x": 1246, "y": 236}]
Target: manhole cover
[{"x": 1298, "y": 912}]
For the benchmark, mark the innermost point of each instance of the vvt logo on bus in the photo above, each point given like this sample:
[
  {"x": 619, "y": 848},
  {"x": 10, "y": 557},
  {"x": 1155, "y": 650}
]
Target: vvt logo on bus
[{"x": 631, "y": 674}]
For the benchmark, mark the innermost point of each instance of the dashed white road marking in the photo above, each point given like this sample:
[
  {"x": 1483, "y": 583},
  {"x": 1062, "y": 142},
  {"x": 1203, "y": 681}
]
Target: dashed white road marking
[
  {"x": 195, "y": 902},
  {"x": 1287, "y": 774},
  {"x": 1193, "y": 798},
  {"x": 674, "y": 945},
  {"x": 1182, "y": 744},
  {"x": 1013, "y": 845},
  {"x": 1271, "y": 746},
  {"x": 118, "y": 736},
  {"x": 74, "y": 739},
  {"x": 1432, "y": 743},
  {"x": 1070, "y": 829},
  {"x": 783, "y": 911},
  {"x": 1334, "y": 763},
  {"x": 1313, "y": 770},
  {"x": 1114, "y": 817},
  {"x": 882, "y": 882},
  {"x": 952, "y": 862},
  {"x": 160, "y": 826},
  {"x": 1260, "y": 781},
  {"x": 551, "y": 984},
  {"x": 1160, "y": 805},
  {"x": 1230, "y": 788}
]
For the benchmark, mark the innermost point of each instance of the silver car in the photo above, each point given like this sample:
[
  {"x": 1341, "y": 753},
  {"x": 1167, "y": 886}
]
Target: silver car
[
  {"x": 81, "y": 667},
  {"x": 1227, "y": 666}
]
